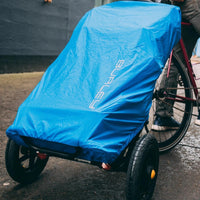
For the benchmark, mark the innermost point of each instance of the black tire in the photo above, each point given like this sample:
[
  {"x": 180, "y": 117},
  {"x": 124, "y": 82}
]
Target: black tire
[
  {"x": 143, "y": 161},
  {"x": 22, "y": 164},
  {"x": 182, "y": 111}
]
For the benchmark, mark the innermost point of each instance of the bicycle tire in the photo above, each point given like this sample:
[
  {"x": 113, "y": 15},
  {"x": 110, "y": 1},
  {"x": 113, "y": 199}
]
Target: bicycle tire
[{"x": 183, "y": 111}]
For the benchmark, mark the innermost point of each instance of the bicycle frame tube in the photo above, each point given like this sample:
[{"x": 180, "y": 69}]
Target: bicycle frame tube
[
  {"x": 189, "y": 67},
  {"x": 180, "y": 99},
  {"x": 190, "y": 73},
  {"x": 188, "y": 64}
]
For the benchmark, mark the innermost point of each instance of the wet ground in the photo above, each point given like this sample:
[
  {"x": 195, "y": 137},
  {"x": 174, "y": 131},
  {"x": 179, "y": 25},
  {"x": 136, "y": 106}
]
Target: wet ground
[{"x": 179, "y": 170}]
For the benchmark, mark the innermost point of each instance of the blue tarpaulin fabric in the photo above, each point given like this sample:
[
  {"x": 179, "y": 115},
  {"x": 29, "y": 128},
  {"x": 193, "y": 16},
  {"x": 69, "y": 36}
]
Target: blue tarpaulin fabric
[{"x": 97, "y": 94}]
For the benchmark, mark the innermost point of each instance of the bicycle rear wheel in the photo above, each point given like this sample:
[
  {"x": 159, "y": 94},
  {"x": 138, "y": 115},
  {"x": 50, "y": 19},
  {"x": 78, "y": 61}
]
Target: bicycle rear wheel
[{"x": 181, "y": 106}]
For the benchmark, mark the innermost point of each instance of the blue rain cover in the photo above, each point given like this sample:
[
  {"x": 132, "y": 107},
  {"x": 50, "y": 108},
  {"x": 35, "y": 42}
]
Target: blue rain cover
[{"x": 97, "y": 94}]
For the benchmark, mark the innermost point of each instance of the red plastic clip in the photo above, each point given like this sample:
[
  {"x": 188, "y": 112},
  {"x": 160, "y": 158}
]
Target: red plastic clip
[{"x": 41, "y": 156}]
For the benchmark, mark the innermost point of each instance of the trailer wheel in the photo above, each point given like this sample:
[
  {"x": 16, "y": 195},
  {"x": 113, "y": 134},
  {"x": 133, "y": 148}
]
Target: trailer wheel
[
  {"x": 143, "y": 169},
  {"x": 23, "y": 165}
]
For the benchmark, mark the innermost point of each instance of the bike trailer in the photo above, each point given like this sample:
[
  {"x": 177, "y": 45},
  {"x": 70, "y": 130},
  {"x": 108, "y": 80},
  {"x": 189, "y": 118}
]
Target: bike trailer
[{"x": 96, "y": 96}]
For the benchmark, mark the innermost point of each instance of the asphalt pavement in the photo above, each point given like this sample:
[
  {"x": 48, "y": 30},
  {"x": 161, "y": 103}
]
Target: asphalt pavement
[{"x": 179, "y": 170}]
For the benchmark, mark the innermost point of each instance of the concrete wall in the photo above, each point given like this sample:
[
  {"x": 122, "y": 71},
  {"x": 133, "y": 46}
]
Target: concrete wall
[{"x": 33, "y": 32}]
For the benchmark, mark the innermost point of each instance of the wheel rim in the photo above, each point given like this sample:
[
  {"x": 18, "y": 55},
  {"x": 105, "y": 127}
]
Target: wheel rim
[{"x": 27, "y": 159}]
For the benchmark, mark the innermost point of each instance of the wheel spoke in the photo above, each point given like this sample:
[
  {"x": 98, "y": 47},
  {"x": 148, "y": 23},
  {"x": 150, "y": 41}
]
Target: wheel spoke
[
  {"x": 32, "y": 160},
  {"x": 23, "y": 158}
]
